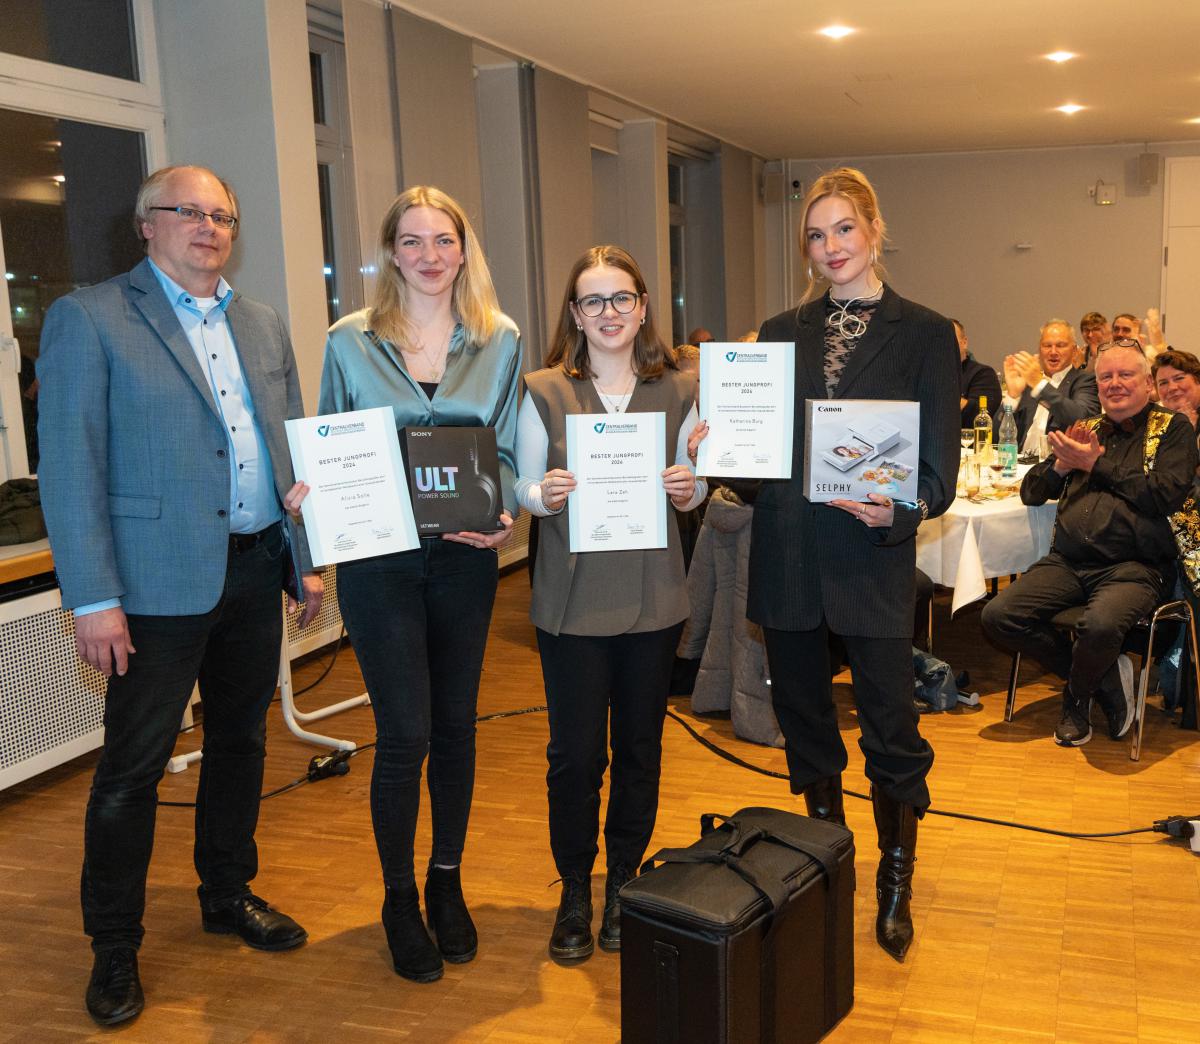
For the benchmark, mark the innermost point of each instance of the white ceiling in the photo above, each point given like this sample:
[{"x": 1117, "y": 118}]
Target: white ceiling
[{"x": 918, "y": 76}]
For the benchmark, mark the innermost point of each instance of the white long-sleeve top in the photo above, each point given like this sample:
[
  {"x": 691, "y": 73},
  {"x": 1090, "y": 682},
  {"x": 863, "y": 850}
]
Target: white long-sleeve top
[{"x": 533, "y": 444}]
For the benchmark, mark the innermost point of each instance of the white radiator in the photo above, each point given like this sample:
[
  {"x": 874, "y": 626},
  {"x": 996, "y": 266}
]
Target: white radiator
[{"x": 52, "y": 704}]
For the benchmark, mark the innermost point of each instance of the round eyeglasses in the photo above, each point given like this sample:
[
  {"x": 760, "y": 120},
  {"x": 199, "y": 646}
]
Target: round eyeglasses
[
  {"x": 192, "y": 216},
  {"x": 623, "y": 303}
]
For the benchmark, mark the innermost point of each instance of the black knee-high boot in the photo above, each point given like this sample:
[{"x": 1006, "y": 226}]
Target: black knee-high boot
[
  {"x": 823, "y": 799},
  {"x": 896, "y": 824}
]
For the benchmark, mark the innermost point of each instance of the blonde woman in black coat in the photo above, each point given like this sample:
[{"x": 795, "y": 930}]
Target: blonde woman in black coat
[{"x": 849, "y": 567}]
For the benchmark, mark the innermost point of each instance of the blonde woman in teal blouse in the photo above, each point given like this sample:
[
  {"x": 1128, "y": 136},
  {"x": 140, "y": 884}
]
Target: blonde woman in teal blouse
[{"x": 435, "y": 347}]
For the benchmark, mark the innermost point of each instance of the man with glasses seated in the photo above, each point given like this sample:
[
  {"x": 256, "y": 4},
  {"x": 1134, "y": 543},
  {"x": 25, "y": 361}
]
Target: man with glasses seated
[
  {"x": 164, "y": 475},
  {"x": 1118, "y": 478},
  {"x": 1046, "y": 391},
  {"x": 1095, "y": 330}
]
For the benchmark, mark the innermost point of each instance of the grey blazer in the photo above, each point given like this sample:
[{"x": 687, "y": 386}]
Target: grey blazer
[
  {"x": 811, "y": 561},
  {"x": 134, "y": 466}
]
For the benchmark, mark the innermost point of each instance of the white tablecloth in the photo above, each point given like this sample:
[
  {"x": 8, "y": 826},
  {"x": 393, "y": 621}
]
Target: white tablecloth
[{"x": 971, "y": 543}]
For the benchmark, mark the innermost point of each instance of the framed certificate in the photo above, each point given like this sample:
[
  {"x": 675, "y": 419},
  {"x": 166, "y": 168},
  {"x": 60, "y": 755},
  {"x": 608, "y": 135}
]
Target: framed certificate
[
  {"x": 617, "y": 459},
  {"x": 747, "y": 394},
  {"x": 359, "y": 506}
]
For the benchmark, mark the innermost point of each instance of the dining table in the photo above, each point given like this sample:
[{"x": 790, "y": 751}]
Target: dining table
[{"x": 982, "y": 537}]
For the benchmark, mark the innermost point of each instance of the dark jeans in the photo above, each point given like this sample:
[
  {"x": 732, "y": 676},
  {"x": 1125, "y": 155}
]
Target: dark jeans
[
  {"x": 1116, "y": 597},
  {"x": 897, "y": 758},
  {"x": 233, "y": 650},
  {"x": 594, "y": 686},
  {"x": 419, "y": 624}
]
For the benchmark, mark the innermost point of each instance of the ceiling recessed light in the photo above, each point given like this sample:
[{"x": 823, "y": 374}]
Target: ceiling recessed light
[
  {"x": 836, "y": 32},
  {"x": 1070, "y": 108},
  {"x": 1060, "y": 56}
]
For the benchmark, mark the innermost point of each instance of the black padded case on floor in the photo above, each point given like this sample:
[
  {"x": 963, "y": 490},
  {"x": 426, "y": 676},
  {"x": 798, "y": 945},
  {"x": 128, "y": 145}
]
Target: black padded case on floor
[{"x": 746, "y": 937}]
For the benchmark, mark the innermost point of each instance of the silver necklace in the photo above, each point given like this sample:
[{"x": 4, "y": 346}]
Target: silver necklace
[
  {"x": 614, "y": 405},
  {"x": 845, "y": 322}
]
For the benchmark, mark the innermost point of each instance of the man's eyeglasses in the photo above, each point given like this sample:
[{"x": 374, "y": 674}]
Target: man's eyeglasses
[
  {"x": 593, "y": 305},
  {"x": 192, "y": 216},
  {"x": 1121, "y": 342}
]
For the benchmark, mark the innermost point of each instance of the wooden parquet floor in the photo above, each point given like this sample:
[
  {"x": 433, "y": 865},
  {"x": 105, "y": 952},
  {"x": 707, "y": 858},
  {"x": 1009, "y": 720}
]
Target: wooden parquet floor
[{"x": 1019, "y": 936}]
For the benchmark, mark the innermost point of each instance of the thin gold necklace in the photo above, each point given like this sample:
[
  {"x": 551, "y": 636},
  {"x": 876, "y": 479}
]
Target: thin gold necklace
[
  {"x": 435, "y": 371},
  {"x": 614, "y": 404}
]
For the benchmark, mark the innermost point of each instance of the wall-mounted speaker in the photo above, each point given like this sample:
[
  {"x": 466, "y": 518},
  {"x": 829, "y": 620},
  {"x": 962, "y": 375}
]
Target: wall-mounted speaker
[{"x": 1147, "y": 169}]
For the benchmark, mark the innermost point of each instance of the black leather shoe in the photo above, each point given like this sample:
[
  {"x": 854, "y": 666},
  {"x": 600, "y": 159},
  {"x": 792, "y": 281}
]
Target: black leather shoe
[
  {"x": 610, "y": 926},
  {"x": 896, "y": 824},
  {"x": 571, "y": 939},
  {"x": 449, "y": 920},
  {"x": 414, "y": 956},
  {"x": 114, "y": 992},
  {"x": 255, "y": 922}
]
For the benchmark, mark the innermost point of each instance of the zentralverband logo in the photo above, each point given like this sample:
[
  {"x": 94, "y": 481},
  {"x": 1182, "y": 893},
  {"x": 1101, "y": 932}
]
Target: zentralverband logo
[{"x": 325, "y": 430}]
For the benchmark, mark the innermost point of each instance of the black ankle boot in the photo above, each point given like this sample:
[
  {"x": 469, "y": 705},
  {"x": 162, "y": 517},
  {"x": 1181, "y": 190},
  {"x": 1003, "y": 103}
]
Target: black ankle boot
[
  {"x": 896, "y": 824},
  {"x": 413, "y": 954},
  {"x": 610, "y": 927},
  {"x": 571, "y": 939},
  {"x": 449, "y": 920},
  {"x": 823, "y": 798}
]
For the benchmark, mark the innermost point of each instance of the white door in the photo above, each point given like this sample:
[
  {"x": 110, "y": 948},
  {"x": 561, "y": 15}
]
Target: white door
[{"x": 1181, "y": 254}]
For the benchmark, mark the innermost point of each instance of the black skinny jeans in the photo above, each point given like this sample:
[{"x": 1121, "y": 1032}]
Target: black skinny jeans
[
  {"x": 419, "y": 624},
  {"x": 597, "y": 687},
  {"x": 233, "y": 650}
]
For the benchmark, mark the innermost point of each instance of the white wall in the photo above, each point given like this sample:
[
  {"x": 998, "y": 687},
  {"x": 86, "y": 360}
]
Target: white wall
[
  {"x": 237, "y": 96},
  {"x": 954, "y": 222}
]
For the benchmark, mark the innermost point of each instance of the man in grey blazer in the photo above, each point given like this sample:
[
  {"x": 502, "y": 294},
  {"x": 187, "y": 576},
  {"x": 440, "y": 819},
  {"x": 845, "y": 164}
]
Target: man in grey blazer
[
  {"x": 1046, "y": 391},
  {"x": 164, "y": 475}
]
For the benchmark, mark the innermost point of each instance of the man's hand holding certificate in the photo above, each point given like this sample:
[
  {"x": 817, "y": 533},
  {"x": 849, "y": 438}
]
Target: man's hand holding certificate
[
  {"x": 358, "y": 505},
  {"x": 747, "y": 395},
  {"x": 619, "y": 500}
]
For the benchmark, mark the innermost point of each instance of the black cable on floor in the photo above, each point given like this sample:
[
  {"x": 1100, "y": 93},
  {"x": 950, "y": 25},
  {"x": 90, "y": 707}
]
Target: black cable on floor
[
  {"x": 322, "y": 766},
  {"x": 721, "y": 752}
]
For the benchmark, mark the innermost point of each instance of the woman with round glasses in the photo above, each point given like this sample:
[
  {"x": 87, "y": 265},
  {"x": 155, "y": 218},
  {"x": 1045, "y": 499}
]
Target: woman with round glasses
[
  {"x": 435, "y": 348},
  {"x": 607, "y": 622},
  {"x": 849, "y": 567}
]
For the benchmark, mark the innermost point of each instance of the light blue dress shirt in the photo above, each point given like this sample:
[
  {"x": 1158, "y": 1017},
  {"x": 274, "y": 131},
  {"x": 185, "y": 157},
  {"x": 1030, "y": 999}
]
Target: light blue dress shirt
[{"x": 253, "y": 502}]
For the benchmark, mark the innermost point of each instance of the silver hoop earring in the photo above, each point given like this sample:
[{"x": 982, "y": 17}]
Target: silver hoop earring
[
  {"x": 643, "y": 322},
  {"x": 579, "y": 326},
  {"x": 810, "y": 272}
]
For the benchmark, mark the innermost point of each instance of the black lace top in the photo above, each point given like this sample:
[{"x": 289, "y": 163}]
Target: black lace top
[{"x": 839, "y": 347}]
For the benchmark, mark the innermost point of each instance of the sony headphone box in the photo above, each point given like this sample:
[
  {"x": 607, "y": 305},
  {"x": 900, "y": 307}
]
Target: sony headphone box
[{"x": 454, "y": 479}]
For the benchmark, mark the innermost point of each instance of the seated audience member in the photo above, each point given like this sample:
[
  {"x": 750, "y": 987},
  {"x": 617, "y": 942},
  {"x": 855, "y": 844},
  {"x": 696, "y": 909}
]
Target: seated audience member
[
  {"x": 1117, "y": 479},
  {"x": 1127, "y": 325},
  {"x": 977, "y": 379},
  {"x": 700, "y": 336},
  {"x": 1046, "y": 391},
  {"x": 749, "y": 337},
  {"x": 1095, "y": 330},
  {"x": 1177, "y": 378}
]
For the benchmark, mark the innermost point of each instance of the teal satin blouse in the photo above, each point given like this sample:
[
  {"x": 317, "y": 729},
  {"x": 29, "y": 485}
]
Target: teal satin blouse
[{"x": 479, "y": 386}]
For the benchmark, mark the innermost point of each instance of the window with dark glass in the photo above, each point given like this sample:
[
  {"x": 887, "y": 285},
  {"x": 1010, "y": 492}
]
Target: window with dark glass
[
  {"x": 93, "y": 35},
  {"x": 66, "y": 220}
]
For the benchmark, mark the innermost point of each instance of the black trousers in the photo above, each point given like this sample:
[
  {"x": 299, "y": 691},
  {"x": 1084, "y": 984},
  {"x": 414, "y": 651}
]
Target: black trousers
[
  {"x": 1116, "y": 597},
  {"x": 419, "y": 623},
  {"x": 233, "y": 651},
  {"x": 602, "y": 690},
  {"x": 897, "y": 758}
]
